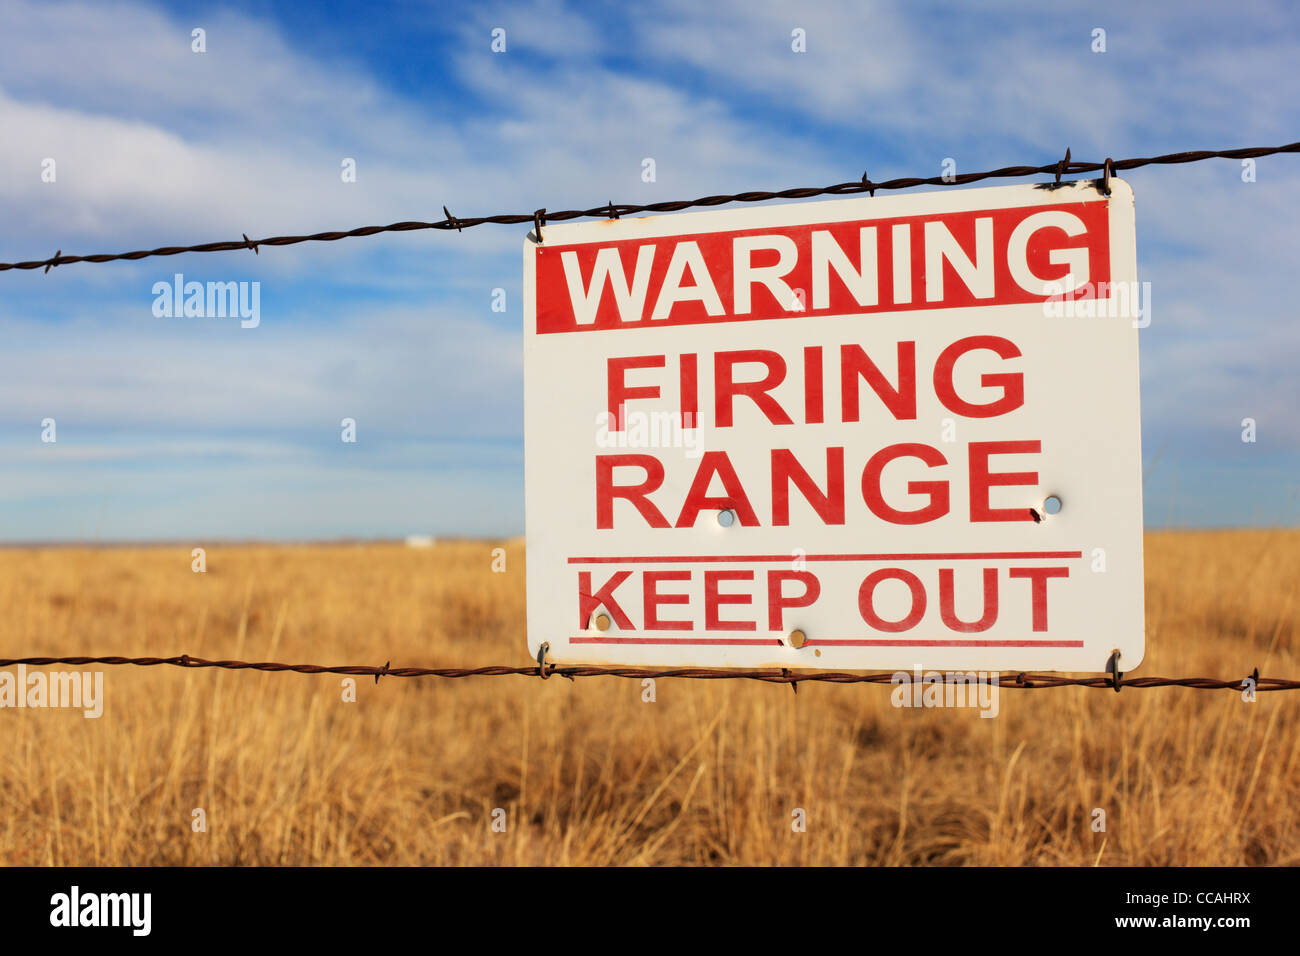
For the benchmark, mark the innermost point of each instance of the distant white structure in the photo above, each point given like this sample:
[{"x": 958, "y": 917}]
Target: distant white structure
[{"x": 420, "y": 541}]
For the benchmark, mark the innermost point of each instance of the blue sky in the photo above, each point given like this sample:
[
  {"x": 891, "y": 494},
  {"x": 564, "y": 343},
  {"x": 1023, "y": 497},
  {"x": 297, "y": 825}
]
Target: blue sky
[{"x": 198, "y": 429}]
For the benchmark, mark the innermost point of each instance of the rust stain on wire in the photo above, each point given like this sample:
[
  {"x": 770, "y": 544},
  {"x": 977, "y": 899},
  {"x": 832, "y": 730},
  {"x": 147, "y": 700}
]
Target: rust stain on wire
[
  {"x": 613, "y": 211},
  {"x": 1020, "y": 681}
]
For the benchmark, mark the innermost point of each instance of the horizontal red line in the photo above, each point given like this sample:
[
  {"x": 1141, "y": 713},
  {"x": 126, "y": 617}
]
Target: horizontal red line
[
  {"x": 922, "y": 643},
  {"x": 770, "y": 641},
  {"x": 915, "y": 556},
  {"x": 753, "y": 641}
]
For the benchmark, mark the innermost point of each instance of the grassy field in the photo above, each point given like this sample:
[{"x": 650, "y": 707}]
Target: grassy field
[{"x": 286, "y": 772}]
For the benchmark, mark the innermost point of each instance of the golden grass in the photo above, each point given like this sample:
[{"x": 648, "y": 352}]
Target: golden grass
[{"x": 589, "y": 774}]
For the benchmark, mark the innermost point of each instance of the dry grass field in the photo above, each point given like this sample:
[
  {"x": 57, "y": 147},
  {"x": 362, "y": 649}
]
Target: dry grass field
[{"x": 587, "y": 773}]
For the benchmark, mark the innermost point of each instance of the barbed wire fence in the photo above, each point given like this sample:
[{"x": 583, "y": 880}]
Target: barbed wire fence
[
  {"x": 611, "y": 210},
  {"x": 1021, "y": 680}
]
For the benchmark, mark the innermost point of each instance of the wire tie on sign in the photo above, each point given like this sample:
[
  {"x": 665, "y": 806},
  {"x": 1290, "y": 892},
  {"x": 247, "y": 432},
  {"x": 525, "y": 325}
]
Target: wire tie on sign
[
  {"x": 539, "y": 220},
  {"x": 871, "y": 187},
  {"x": 794, "y": 684},
  {"x": 541, "y": 659},
  {"x": 382, "y": 672},
  {"x": 1112, "y": 668},
  {"x": 1105, "y": 177},
  {"x": 1063, "y": 166},
  {"x": 452, "y": 220},
  {"x": 250, "y": 244},
  {"x": 53, "y": 262}
]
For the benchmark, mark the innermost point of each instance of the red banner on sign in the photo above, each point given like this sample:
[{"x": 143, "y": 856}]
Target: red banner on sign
[{"x": 950, "y": 260}]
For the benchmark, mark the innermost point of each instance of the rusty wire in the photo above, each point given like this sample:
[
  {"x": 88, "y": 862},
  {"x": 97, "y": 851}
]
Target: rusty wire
[
  {"x": 611, "y": 210},
  {"x": 1019, "y": 681}
]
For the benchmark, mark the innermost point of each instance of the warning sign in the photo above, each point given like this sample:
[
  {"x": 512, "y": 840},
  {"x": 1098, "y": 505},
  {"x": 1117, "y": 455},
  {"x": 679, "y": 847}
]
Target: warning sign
[{"x": 875, "y": 433}]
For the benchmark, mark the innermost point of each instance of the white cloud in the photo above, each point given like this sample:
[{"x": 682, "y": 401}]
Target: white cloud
[
  {"x": 545, "y": 27},
  {"x": 402, "y": 372},
  {"x": 1000, "y": 75}
]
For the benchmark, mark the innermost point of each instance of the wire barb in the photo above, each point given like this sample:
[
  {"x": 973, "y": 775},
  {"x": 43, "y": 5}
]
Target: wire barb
[
  {"x": 1063, "y": 166},
  {"x": 538, "y": 218}
]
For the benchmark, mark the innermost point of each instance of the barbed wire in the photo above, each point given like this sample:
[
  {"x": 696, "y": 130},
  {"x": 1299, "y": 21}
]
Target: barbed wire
[
  {"x": 1019, "y": 681},
  {"x": 613, "y": 210}
]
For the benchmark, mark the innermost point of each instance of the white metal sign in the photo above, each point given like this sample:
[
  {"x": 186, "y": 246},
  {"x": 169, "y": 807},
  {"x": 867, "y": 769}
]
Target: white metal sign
[{"x": 874, "y": 433}]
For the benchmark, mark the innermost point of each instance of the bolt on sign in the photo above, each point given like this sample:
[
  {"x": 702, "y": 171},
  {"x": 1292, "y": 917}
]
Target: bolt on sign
[{"x": 873, "y": 433}]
